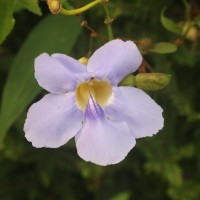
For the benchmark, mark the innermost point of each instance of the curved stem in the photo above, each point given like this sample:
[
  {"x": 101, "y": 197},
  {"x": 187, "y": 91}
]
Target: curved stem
[
  {"x": 108, "y": 22},
  {"x": 80, "y": 10}
]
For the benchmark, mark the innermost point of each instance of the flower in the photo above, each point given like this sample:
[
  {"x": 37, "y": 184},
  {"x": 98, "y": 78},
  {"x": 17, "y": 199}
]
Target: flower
[{"x": 85, "y": 102}]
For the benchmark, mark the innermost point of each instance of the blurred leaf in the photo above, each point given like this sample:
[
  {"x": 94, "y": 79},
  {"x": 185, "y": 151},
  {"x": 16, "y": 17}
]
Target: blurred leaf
[
  {"x": 169, "y": 24},
  {"x": 184, "y": 152},
  {"x": 164, "y": 47},
  {"x": 121, "y": 196},
  {"x": 189, "y": 191},
  {"x": 6, "y": 19},
  {"x": 182, "y": 101},
  {"x": 89, "y": 170},
  {"x": 168, "y": 170},
  {"x": 197, "y": 21},
  {"x": 66, "y": 4},
  {"x": 31, "y": 5},
  {"x": 53, "y": 34}
]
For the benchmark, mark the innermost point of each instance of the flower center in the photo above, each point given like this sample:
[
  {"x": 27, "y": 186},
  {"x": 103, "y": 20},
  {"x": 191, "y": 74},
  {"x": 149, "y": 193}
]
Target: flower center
[{"x": 99, "y": 90}]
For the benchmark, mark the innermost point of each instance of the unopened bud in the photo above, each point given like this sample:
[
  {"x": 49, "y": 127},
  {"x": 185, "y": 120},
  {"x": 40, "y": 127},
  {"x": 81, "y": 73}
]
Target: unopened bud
[
  {"x": 192, "y": 33},
  {"x": 83, "y": 60},
  {"x": 54, "y": 6},
  {"x": 128, "y": 81},
  {"x": 152, "y": 81}
]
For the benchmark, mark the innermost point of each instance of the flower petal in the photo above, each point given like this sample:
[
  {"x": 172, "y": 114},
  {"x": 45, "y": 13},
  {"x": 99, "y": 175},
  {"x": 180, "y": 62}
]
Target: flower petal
[
  {"x": 115, "y": 60},
  {"x": 102, "y": 141},
  {"x": 142, "y": 114},
  {"x": 59, "y": 73},
  {"x": 53, "y": 120}
]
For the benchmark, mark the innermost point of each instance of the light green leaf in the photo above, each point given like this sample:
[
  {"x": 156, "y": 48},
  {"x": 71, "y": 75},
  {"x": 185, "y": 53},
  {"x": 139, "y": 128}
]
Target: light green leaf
[
  {"x": 54, "y": 34},
  {"x": 169, "y": 24},
  {"x": 121, "y": 196},
  {"x": 164, "y": 47},
  {"x": 31, "y": 5},
  {"x": 6, "y": 18}
]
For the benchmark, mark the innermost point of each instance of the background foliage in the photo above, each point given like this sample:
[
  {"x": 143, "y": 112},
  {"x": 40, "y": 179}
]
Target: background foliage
[{"x": 166, "y": 166}]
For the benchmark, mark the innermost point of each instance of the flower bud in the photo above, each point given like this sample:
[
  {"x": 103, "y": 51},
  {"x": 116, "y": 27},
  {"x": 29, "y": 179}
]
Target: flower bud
[
  {"x": 190, "y": 31},
  {"x": 152, "y": 81},
  {"x": 83, "y": 60},
  {"x": 128, "y": 81},
  {"x": 54, "y": 6}
]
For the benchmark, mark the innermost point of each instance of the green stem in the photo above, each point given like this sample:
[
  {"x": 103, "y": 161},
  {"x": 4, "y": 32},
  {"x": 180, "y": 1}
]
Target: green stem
[
  {"x": 80, "y": 10},
  {"x": 187, "y": 10},
  {"x": 108, "y": 22}
]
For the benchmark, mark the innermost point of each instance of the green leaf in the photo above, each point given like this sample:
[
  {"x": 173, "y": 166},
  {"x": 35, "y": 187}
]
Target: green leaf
[
  {"x": 121, "y": 196},
  {"x": 169, "y": 24},
  {"x": 164, "y": 47},
  {"x": 170, "y": 171},
  {"x": 31, "y": 5},
  {"x": 66, "y": 4},
  {"x": 53, "y": 34},
  {"x": 6, "y": 18}
]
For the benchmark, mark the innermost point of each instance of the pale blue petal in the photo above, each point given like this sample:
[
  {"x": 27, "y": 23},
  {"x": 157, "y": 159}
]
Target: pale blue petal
[
  {"x": 59, "y": 73},
  {"x": 67, "y": 61},
  {"x": 53, "y": 120},
  {"x": 115, "y": 60},
  {"x": 142, "y": 114},
  {"x": 102, "y": 141}
]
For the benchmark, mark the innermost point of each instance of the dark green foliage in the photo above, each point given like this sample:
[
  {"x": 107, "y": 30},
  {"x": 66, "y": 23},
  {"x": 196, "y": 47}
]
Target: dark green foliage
[{"x": 165, "y": 166}]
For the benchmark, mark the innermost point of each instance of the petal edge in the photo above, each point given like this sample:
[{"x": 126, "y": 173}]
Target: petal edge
[
  {"x": 58, "y": 73},
  {"x": 142, "y": 114},
  {"x": 53, "y": 120},
  {"x": 104, "y": 142},
  {"x": 115, "y": 60}
]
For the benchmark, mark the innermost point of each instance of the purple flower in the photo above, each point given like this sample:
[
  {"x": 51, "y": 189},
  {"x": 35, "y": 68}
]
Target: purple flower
[{"x": 85, "y": 102}]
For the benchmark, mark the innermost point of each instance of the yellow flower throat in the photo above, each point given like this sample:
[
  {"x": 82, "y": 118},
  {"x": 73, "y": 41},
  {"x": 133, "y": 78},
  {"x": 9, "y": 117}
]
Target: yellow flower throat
[{"x": 100, "y": 91}]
